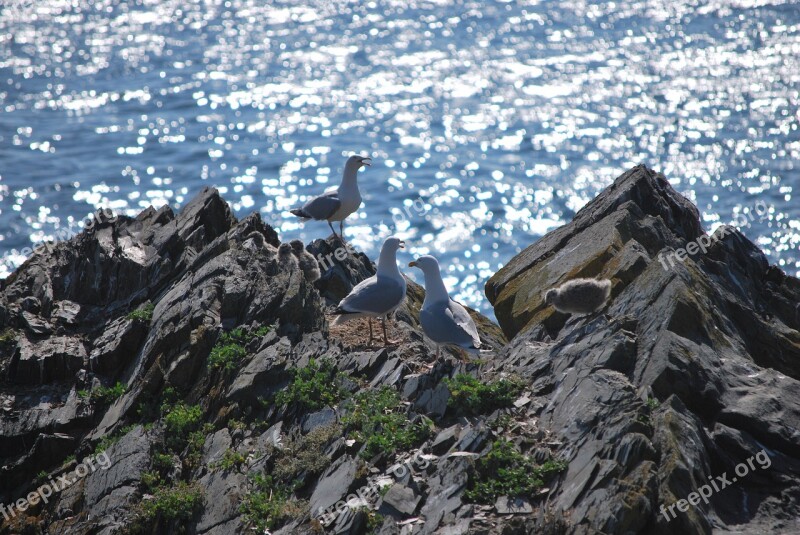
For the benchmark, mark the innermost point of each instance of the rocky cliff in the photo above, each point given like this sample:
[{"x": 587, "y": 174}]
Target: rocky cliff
[{"x": 169, "y": 374}]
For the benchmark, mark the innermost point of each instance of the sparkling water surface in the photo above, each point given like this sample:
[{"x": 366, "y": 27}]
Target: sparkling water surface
[{"x": 489, "y": 123}]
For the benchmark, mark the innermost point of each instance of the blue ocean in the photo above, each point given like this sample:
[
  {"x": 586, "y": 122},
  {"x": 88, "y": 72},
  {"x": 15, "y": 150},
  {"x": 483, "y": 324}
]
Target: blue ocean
[{"x": 489, "y": 123}]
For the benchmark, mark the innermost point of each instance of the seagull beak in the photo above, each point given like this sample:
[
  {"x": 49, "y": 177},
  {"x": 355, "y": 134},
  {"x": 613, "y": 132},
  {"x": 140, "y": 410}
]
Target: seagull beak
[
  {"x": 402, "y": 245},
  {"x": 366, "y": 160},
  {"x": 412, "y": 264}
]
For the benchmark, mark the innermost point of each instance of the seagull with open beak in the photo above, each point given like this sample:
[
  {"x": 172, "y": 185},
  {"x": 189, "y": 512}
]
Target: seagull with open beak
[{"x": 338, "y": 203}]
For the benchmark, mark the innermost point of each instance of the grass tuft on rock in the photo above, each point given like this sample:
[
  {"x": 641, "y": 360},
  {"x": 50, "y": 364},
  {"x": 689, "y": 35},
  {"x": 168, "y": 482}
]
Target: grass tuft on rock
[
  {"x": 504, "y": 471},
  {"x": 177, "y": 502},
  {"x": 144, "y": 314},
  {"x": 103, "y": 395},
  {"x": 269, "y": 503},
  {"x": 468, "y": 395},
  {"x": 313, "y": 387},
  {"x": 378, "y": 419},
  {"x": 230, "y": 348}
]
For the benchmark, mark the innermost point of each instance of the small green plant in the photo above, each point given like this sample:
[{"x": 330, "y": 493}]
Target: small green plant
[
  {"x": 313, "y": 387},
  {"x": 231, "y": 459},
  {"x": 374, "y": 520},
  {"x": 652, "y": 403},
  {"x": 142, "y": 314},
  {"x": 163, "y": 462},
  {"x": 304, "y": 455},
  {"x": 179, "y": 423},
  {"x": 177, "y": 502},
  {"x": 378, "y": 419},
  {"x": 470, "y": 396},
  {"x": 269, "y": 503},
  {"x": 41, "y": 476},
  {"x": 151, "y": 481},
  {"x": 230, "y": 348},
  {"x": 7, "y": 336},
  {"x": 504, "y": 471}
]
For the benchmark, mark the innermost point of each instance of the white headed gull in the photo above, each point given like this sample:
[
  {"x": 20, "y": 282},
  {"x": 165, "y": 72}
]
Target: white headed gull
[
  {"x": 379, "y": 295},
  {"x": 442, "y": 319},
  {"x": 337, "y": 204}
]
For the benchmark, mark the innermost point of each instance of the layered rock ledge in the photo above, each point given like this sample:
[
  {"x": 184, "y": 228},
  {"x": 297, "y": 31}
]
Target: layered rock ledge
[{"x": 171, "y": 345}]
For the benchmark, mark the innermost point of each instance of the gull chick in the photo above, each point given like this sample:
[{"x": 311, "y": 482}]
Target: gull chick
[
  {"x": 442, "y": 319},
  {"x": 306, "y": 260},
  {"x": 379, "y": 295},
  {"x": 338, "y": 203},
  {"x": 579, "y": 296},
  {"x": 285, "y": 257}
]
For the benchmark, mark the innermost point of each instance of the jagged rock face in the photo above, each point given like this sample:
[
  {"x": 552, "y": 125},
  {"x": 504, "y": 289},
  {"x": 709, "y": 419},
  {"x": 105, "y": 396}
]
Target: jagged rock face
[{"x": 713, "y": 339}]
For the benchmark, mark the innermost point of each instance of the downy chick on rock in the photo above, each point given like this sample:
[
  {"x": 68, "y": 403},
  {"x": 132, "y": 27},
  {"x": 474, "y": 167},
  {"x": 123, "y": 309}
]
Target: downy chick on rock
[
  {"x": 579, "y": 296},
  {"x": 307, "y": 262}
]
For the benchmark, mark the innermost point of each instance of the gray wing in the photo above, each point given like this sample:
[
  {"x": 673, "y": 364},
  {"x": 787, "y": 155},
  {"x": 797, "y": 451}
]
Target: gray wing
[
  {"x": 449, "y": 323},
  {"x": 321, "y": 207},
  {"x": 374, "y": 296},
  {"x": 464, "y": 321}
]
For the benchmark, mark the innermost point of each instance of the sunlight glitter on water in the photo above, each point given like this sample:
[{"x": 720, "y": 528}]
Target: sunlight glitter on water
[{"x": 502, "y": 118}]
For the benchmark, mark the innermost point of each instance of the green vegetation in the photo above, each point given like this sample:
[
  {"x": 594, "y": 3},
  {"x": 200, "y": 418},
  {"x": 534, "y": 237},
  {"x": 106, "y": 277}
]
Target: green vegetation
[
  {"x": 230, "y": 348},
  {"x": 103, "y": 395},
  {"x": 304, "y": 455},
  {"x": 179, "y": 423},
  {"x": 378, "y": 419},
  {"x": 177, "y": 502},
  {"x": 652, "y": 403},
  {"x": 374, "y": 520},
  {"x": 504, "y": 471},
  {"x": 231, "y": 459},
  {"x": 313, "y": 387},
  {"x": 269, "y": 503},
  {"x": 470, "y": 396},
  {"x": 41, "y": 476},
  {"x": 142, "y": 314},
  {"x": 8, "y": 335}
]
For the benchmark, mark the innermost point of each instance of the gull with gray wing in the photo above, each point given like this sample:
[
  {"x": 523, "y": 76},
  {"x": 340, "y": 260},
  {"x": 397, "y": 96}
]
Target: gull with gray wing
[
  {"x": 379, "y": 295},
  {"x": 338, "y": 203},
  {"x": 443, "y": 320}
]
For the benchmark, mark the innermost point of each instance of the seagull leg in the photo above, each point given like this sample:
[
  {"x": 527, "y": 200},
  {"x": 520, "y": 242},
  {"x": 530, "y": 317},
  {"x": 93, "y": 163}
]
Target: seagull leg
[
  {"x": 341, "y": 230},
  {"x": 331, "y": 225},
  {"x": 371, "y": 338},
  {"x": 386, "y": 341}
]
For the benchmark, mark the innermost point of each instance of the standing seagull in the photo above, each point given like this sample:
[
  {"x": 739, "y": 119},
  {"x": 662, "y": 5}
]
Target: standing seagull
[
  {"x": 337, "y": 204},
  {"x": 379, "y": 295},
  {"x": 579, "y": 296},
  {"x": 442, "y": 319}
]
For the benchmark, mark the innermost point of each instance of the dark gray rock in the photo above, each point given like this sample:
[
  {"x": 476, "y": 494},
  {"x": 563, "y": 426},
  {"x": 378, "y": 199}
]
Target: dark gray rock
[
  {"x": 399, "y": 501},
  {"x": 48, "y": 360},
  {"x": 333, "y": 485}
]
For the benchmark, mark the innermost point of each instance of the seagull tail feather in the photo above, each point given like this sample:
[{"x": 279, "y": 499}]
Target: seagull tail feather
[{"x": 299, "y": 212}]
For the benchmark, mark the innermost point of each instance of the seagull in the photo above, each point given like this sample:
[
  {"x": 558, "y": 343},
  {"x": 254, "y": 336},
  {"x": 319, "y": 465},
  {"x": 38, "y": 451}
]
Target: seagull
[
  {"x": 379, "y": 295},
  {"x": 442, "y": 319},
  {"x": 338, "y": 203},
  {"x": 307, "y": 262},
  {"x": 579, "y": 296}
]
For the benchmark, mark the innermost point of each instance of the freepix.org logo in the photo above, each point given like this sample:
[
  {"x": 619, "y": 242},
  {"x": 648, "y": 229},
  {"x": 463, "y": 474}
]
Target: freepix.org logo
[
  {"x": 716, "y": 484},
  {"x": 54, "y": 486}
]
